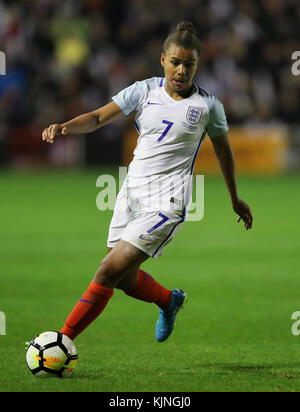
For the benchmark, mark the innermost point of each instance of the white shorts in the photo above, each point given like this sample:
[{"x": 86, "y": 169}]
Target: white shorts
[{"x": 147, "y": 229}]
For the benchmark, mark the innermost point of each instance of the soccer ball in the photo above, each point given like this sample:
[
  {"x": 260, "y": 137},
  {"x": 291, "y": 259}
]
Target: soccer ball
[{"x": 51, "y": 353}]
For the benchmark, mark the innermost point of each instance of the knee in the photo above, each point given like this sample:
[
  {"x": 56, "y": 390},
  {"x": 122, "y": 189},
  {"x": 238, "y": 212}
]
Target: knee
[{"x": 108, "y": 274}]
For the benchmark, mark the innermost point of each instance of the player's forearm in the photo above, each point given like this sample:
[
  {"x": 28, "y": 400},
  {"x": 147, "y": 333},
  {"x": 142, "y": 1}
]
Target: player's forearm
[
  {"x": 227, "y": 164},
  {"x": 84, "y": 123}
]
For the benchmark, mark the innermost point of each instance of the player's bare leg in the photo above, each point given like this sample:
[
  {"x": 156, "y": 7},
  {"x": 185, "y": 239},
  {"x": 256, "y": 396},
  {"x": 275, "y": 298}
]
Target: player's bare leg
[
  {"x": 129, "y": 279},
  {"x": 123, "y": 258}
]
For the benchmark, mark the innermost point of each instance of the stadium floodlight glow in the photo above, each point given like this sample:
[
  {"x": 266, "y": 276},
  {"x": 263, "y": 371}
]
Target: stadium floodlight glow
[{"x": 2, "y": 64}]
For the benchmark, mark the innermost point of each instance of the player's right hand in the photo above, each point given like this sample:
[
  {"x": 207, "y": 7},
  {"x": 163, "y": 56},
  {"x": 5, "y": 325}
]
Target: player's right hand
[{"x": 52, "y": 131}]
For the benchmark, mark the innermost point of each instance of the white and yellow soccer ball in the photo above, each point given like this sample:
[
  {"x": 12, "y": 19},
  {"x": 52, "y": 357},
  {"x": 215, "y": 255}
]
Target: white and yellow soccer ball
[{"x": 51, "y": 354}]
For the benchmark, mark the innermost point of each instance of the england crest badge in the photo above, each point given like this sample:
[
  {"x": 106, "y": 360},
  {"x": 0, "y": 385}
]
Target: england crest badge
[{"x": 194, "y": 114}]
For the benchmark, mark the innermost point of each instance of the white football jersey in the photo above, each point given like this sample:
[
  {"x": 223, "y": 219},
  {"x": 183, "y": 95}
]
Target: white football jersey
[{"x": 171, "y": 133}]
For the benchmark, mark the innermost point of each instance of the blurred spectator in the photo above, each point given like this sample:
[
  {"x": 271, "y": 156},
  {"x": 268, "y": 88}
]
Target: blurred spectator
[{"x": 67, "y": 58}]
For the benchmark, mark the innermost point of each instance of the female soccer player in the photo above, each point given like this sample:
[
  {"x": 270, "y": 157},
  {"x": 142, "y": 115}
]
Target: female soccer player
[{"x": 173, "y": 115}]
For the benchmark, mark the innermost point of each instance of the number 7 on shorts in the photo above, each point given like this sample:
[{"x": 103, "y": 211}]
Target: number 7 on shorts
[{"x": 164, "y": 219}]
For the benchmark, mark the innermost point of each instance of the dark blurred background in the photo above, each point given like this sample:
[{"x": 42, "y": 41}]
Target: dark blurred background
[{"x": 65, "y": 58}]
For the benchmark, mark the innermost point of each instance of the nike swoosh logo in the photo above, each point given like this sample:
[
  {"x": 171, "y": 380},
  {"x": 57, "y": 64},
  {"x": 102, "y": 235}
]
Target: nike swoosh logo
[{"x": 152, "y": 103}]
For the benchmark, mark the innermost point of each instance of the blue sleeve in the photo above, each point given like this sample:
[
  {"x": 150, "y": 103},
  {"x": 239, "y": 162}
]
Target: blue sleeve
[{"x": 217, "y": 124}]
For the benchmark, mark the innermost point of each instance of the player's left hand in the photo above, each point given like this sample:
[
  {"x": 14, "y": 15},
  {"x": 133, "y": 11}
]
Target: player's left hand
[{"x": 244, "y": 212}]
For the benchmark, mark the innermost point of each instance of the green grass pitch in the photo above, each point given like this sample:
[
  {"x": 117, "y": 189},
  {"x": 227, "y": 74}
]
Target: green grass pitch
[{"x": 243, "y": 286}]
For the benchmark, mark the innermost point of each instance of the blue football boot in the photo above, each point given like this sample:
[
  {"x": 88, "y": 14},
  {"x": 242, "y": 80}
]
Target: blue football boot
[{"x": 165, "y": 323}]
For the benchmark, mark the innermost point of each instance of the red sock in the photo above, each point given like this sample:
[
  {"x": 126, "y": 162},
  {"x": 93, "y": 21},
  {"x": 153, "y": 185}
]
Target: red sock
[
  {"x": 87, "y": 309},
  {"x": 148, "y": 290}
]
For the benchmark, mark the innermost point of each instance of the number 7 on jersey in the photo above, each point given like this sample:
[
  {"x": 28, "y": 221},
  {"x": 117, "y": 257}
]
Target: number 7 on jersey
[{"x": 169, "y": 125}]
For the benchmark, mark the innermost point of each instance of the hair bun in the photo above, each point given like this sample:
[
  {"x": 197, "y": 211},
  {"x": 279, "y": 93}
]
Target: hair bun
[
  {"x": 186, "y": 26},
  {"x": 185, "y": 36}
]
